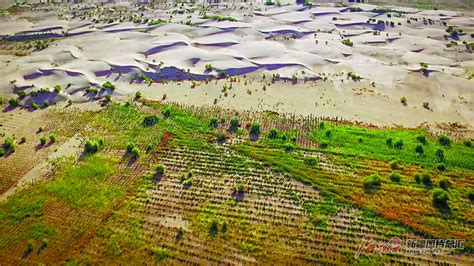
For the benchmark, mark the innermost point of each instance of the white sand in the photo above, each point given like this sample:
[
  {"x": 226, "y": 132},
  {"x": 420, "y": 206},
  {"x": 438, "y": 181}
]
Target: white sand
[{"x": 288, "y": 40}]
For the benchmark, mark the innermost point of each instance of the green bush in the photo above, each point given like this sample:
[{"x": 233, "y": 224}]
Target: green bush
[
  {"x": 444, "y": 182},
  {"x": 273, "y": 133},
  {"x": 92, "y": 146},
  {"x": 440, "y": 197},
  {"x": 160, "y": 169},
  {"x": 234, "y": 123},
  {"x": 417, "y": 178},
  {"x": 311, "y": 161},
  {"x": 398, "y": 145},
  {"x": 419, "y": 149},
  {"x": 221, "y": 137},
  {"x": 255, "y": 128},
  {"x": 394, "y": 165},
  {"x": 135, "y": 152},
  {"x": 467, "y": 143},
  {"x": 166, "y": 112},
  {"x": 13, "y": 102},
  {"x": 43, "y": 140},
  {"x": 150, "y": 120},
  {"x": 422, "y": 139},
  {"x": 108, "y": 85},
  {"x": 9, "y": 143},
  {"x": 372, "y": 182},
  {"x": 444, "y": 140},
  {"x": 389, "y": 142},
  {"x": 2, "y": 152},
  {"x": 441, "y": 166},
  {"x": 426, "y": 179},
  {"x": 53, "y": 138},
  {"x": 395, "y": 177},
  {"x": 328, "y": 133},
  {"x": 440, "y": 155},
  {"x": 213, "y": 122},
  {"x": 289, "y": 147}
]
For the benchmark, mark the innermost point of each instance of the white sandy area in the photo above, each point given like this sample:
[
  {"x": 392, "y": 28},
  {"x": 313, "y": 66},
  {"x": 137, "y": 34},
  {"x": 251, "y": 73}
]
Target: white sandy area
[{"x": 287, "y": 40}]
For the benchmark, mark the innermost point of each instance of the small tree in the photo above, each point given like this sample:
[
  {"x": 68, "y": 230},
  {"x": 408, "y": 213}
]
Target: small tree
[
  {"x": 426, "y": 179},
  {"x": 441, "y": 166},
  {"x": 255, "y": 128},
  {"x": 166, "y": 112},
  {"x": 444, "y": 182},
  {"x": 398, "y": 145},
  {"x": 234, "y": 123},
  {"x": 389, "y": 142},
  {"x": 160, "y": 169},
  {"x": 440, "y": 198},
  {"x": 395, "y": 177},
  {"x": 440, "y": 155},
  {"x": 444, "y": 140},
  {"x": 213, "y": 122},
  {"x": 150, "y": 120},
  {"x": 419, "y": 149},
  {"x": 372, "y": 181},
  {"x": 273, "y": 133},
  {"x": 43, "y": 140}
]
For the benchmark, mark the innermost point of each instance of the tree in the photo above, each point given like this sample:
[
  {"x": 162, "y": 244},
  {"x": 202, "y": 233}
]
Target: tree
[
  {"x": 444, "y": 182},
  {"x": 440, "y": 198},
  {"x": 395, "y": 177},
  {"x": 426, "y": 179},
  {"x": 213, "y": 122},
  {"x": 255, "y": 128},
  {"x": 444, "y": 140},
  {"x": 440, "y": 155},
  {"x": 398, "y": 145},
  {"x": 150, "y": 120},
  {"x": 160, "y": 169},
  {"x": 234, "y": 123},
  {"x": 372, "y": 181},
  {"x": 273, "y": 133},
  {"x": 419, "y": 149}
]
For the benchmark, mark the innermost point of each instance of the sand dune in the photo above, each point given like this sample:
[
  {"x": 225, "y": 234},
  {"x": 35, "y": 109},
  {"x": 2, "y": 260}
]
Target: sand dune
[{"x": 292, "y": 41}]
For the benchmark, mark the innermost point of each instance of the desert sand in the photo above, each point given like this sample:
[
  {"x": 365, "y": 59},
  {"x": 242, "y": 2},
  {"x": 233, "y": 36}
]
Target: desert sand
[{"x": 287, "y": 58}]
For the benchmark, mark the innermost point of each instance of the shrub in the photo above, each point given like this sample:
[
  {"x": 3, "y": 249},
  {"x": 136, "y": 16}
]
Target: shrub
[
  {"x": 92, "y": 90},
  {"x": 208, "y": 67},
  {"x": 214, "y": 228},
  {"x": 422, "y": 139},
  {"x": 417, "y": 178},
  {"x": 467, "y": 143},
  {"x": 323, "y": 145},
  {"x": 213, "y": 122},
  {"x": 444, "y": 182},
  {"x": 138, "y": 95},
  {"x": 57, "y": 88},
  {"x": 440, "y": 197},
  {"x": 234, "y": 123},
  {"x": 289, "y": 147},
  {"x": 419, "y": 149},
  {"x": 444, "y": 140},
  {"x": 150, "y": 120},
  {"x": 53, "y": 138},
  {"x": 35, "y": 106},
  {"x": 255, "y": 128},
  {"x": 135, "y": 152},
  {"x": 426, "y": 105},
  {"x": 108, "y": 85},
  {"x": 45, "y": 104},
  {"x": 440, "y": 155},
  {"x": 273, "y": 133},
  {"x": 93, "y": 146},
  {"x": 166, "y": 112},
  {"x": 328, "y": 133},
  {"x": 426, "y": 179},
  {"x": 389, "y": 142},
  {"x": 395, "y": 176},
  {"x": 108, "y": 98},
  {"x": 403, "y": 100},
  {"x": 9, "y": 144},
  {"x": 160, "y": 169},
  {"x": 221, "y": 137},
  {"x": 394, "y": 164},
  {"x": 372, "y": 181},
  {"x": 13, "y": 102},
  {"x": 23, "y": 140},
  {"x": 2, "y": 152},
  {"x": 43, "y": 140},
  {"x": 348, "y": 42},
  {"x": 188, "y": 182},
  {"x": 441, "y": 166},
  {"x": 130, "y": 146},
  {"x": 398, "y": 145},
  {"x": 311, "y": 161}
]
